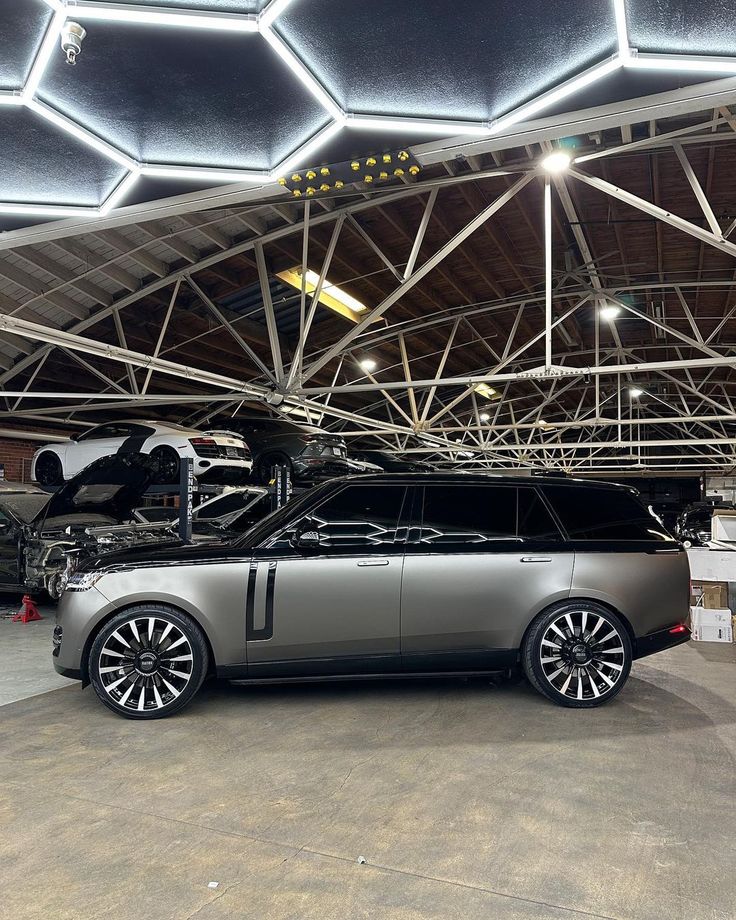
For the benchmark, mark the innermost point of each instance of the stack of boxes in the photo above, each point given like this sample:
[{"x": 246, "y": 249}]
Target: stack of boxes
[{"x": 710, "y": 614}]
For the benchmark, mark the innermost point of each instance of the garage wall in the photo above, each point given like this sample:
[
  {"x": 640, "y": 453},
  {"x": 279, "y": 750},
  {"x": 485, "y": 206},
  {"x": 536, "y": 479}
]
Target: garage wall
[{"x": 15, "y": 456}]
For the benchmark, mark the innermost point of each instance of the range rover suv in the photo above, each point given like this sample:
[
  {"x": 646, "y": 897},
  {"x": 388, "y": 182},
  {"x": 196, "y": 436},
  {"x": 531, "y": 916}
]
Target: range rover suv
[{"x": 388, "y": 574}]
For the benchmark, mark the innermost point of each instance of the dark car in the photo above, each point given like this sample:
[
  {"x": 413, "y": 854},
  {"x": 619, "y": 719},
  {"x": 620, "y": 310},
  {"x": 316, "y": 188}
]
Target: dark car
[
  {"x": 311, "y": 455},
  {"x": 221, "y": 518},
  {"x": 694, "y": 525},
  {"x": 390, "y": 463},
  {"x": 42, "y": 535},
  {"x": 388, "y": 574}
]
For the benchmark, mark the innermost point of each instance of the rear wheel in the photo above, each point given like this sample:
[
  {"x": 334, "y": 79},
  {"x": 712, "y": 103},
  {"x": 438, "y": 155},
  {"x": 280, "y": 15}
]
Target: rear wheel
[
  {"x": 577, "y": 654},
  {"x": 48, "y": 470},
  {"x": 148, "y": 662},
  {"x": 167, "y": 464}
]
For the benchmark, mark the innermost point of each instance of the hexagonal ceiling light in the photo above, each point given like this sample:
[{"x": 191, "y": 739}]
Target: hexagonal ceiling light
[{"x": 262, "y": 22}]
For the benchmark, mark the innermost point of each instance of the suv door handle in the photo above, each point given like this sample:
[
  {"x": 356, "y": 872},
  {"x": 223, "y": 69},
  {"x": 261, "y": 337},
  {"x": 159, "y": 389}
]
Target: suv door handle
[
  {"x": 536, "y": 559},
  {"x": 373, "y": 562}
]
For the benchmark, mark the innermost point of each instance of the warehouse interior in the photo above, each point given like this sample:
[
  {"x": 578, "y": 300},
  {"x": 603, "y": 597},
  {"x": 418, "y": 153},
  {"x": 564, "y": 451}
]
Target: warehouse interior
[{"x": 457, "y": 240}]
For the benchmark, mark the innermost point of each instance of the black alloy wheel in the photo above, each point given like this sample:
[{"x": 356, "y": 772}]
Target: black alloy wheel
[
  {"x": 167, "y": 464},
  {"x": 48, "y": 470},
  {"x": 578, "y": 654},
  {"x": 148, "y": 662}
]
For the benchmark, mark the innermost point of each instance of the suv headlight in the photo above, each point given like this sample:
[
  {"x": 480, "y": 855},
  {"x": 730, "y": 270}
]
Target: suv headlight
[{"x": 82, "y": 581}]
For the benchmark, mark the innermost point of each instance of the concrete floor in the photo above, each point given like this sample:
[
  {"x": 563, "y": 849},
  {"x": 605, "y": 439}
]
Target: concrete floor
[
  {"x": 465, "y": 800},
  {"x": 24, "y": 654}
]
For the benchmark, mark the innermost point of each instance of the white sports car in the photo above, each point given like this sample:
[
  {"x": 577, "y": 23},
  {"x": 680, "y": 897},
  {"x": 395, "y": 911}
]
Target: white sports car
[{"x": 216, "y": 458}]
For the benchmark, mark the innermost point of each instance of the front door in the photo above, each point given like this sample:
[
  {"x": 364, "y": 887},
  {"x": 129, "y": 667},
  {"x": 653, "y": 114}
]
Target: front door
[
  {"x": 485, "y": 560},
  {"x": 333, "y": 608}
]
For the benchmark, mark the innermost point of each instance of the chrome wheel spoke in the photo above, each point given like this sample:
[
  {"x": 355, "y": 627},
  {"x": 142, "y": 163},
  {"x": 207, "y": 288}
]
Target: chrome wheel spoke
[{"x": 568, "y": 654}]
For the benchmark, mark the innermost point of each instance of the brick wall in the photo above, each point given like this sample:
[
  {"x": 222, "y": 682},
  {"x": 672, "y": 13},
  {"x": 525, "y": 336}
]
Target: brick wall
[{"x": 15, "y": 455}]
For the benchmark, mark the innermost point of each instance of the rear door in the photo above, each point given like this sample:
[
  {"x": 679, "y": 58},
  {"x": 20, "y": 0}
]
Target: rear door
[
  {"x": 333, "y": 609},
  {"x": 482, "y": 562}
]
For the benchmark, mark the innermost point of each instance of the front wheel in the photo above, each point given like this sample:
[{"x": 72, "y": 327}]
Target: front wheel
[
  {"x": 577, "y": 654},
  {"x": 48, "y": 469},
  {"x": 148, "y": 662},
  {"x": 167, "y": 464}
]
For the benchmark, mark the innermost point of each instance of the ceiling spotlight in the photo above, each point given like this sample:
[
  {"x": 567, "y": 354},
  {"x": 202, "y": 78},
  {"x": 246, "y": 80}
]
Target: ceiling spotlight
[
  {"x": 484, "y": 417},
  {"x": 557, "y": 162},
  {"x": 635, "y": 392},
  {"x": 72, "y": 36},
  {"x": 368, "y": 365},
  {"x": 610, "y": 312}
]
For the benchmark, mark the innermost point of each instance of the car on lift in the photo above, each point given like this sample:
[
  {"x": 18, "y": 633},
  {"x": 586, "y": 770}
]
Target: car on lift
[
  {"x": 223, "y": 517},
  {"x": 43, "y": 536},
  {"x": 694, "y": 524},
  {"x": 216, "y": 458},
  {"x": 310, "y": 454},
  {"x": 411, "y": 574},
  {"x": 390, "y": 463}
]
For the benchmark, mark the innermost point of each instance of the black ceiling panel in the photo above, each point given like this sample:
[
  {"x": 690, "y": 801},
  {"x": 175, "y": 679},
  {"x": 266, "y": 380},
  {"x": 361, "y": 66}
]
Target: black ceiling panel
[
  {"x": 41, "y": 165},
  {"x": 23, "y": 24},
  {"x": 696, "y": 27},
  {"x": 175, "y": 96},
  {"x": 443, "y": 59},
  {"x": 214, "y": 6}
]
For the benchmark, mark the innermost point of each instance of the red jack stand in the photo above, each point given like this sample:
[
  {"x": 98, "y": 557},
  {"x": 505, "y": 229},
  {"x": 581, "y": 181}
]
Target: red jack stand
[{"x": 28, "y": 612}]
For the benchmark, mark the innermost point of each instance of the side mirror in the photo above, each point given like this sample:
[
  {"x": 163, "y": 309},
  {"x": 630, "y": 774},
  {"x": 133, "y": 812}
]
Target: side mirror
[{"x": 307, "y": 537}]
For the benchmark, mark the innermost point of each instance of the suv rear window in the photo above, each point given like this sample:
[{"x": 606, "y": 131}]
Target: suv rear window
[{"x": 604, "y": 514}]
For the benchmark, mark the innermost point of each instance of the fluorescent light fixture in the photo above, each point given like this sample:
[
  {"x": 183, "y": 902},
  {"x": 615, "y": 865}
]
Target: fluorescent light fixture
[
  {"x": 303, "y": 153},
  {"x": 684, "y": 62},
  {"x": 195, "y": 19},
  {"x": 544, "y": 425},
  {"x": 622, "y": 32},
  {"x": 484, "y": 417},
  {"x": 486, "y": 391},
  {"x": 47, "y": 210},
  {"x": 312, "y": 418},
  {"x": 196, "y": 172},
  {"x": 557, "y": 161},
  {"x": 588, "y": 77},
  {"x": 274, "y": 9},
  {"x": 368, "y": 365},
  {"x": 330, "y": 296},
  {"x": 306, "y": 78},
  {"x": 48, "y": 46},
  {"x": 610, "y": 312},
  {"x": 91, "y": 140},
  {"x": 635, "y": 392},
  {"x": 420, "y": 125},
  {"x": 10, "y": 98},
  {"x": 119, "y": 193}
]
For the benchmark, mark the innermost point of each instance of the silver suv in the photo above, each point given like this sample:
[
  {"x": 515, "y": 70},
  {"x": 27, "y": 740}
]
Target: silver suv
[{"x": 384, "y": 575}]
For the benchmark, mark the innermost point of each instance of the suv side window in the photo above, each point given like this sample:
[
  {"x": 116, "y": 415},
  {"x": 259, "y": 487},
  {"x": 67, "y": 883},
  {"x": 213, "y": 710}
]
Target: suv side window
[
  {"x": 604, "y": 514},
  {"x": 478, "y": 515},
  {"x": 357, "y": 518}
]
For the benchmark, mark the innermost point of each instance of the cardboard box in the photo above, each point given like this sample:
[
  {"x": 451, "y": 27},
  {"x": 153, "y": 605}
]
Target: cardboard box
[
  {"x": 711, "y": 625},
  {"x": 712, "y": 594}
]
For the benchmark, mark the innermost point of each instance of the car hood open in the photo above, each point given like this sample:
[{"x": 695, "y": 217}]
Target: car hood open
[{"x": 111, "y": 486}]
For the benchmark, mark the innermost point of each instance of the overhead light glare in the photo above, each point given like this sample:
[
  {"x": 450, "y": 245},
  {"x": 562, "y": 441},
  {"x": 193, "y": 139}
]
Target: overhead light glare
[
  {"x": 47, "y": 210},
  {"x": 635, "y": 392},
  {"x": 221, "y": 22},
  {"x": 48, "y": 46},
  {"x": 484, "y": 417},
  {"x": 622, "y": 32},
  {"x": 557, "y": 161},
  {"x": 86, "y": 137},
  {"x": 420, "y": 125},
  {"x": 10, "y": 99},
  {"x": 273, "y": 11},
  {"x": 303, "y": 75},
  {"x": 330, "y": 296},
  {"x": 610, "y": 312},
  {"x": 123, "y": 187},
  {"x": 486, "y": 391},
  {"x": 303, "y": 153},
  {"x": 569, "y": 88},
  {"x": 684, "y": 62},
  {"x": 368, "y": 365},
  {"x": 196, "y": 173}
]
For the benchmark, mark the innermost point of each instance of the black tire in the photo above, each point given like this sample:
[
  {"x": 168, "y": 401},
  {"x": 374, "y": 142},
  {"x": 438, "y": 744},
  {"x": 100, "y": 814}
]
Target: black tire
[
  {"x": 133, "y": 676},
  {"x": 266, "y": 464},
  {"x": 577, "y": 654},
  {"x": 48, "y": 469},
  {"x": 167, "y": 464}
]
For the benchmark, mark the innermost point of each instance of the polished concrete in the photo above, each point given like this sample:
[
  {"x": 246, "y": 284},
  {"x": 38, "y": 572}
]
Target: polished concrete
[
  {"x": 25, "y": 650},
  {"x": 465, "y": 800}
]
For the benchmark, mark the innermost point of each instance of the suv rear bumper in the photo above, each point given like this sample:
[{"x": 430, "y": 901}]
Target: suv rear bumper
[{"x": 660, "y": 640}]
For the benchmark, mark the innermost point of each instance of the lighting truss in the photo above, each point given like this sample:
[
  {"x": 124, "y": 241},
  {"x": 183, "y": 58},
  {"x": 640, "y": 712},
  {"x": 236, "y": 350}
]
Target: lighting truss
[{"x": 263, "y": 24}]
